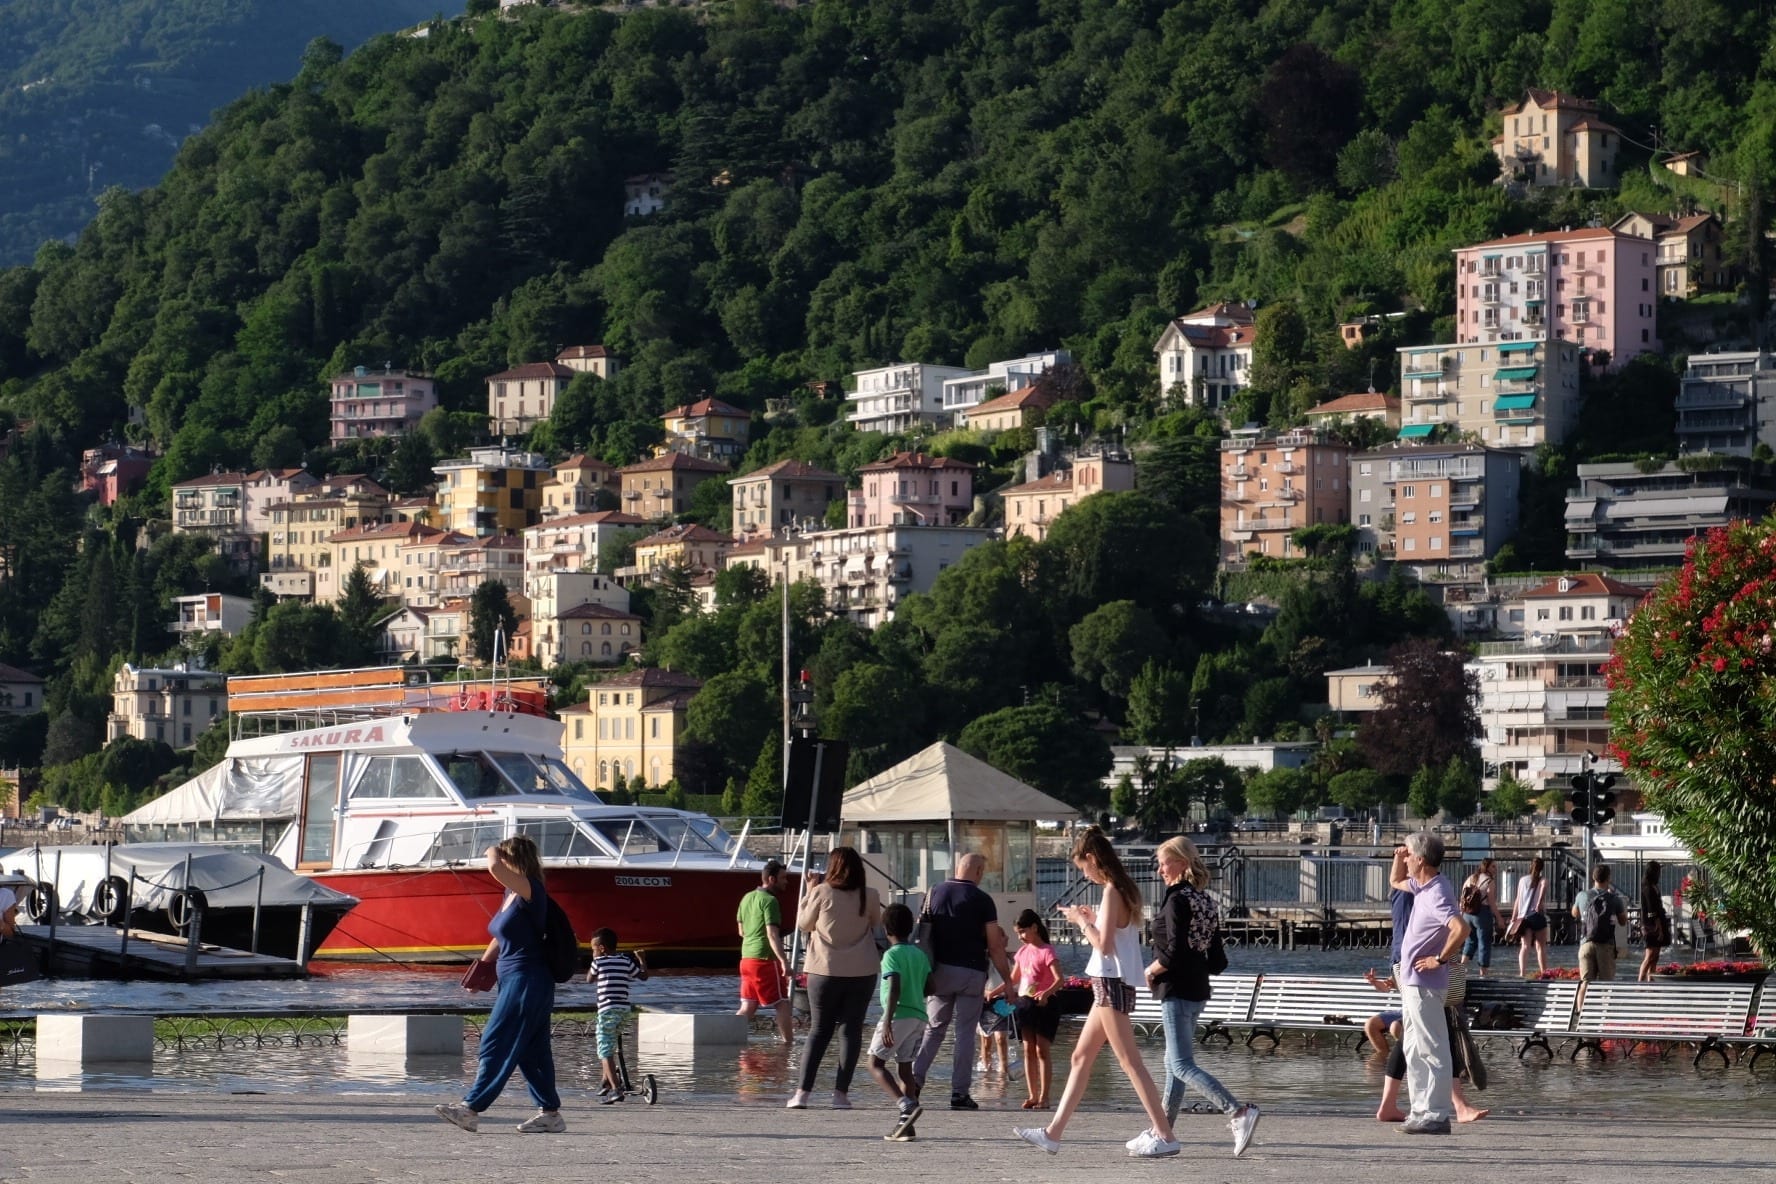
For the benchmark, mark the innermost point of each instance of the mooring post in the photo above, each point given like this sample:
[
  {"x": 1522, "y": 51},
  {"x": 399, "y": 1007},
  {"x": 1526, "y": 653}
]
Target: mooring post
[
  {"x": 55, "y": 904},
  {"x": 302, "y": 933},
  {"x": 194, "y": 923}
]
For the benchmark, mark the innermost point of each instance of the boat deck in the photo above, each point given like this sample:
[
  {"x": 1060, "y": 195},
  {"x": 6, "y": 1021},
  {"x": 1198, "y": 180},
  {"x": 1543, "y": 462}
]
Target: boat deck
[{"x": 99, "y": 951}]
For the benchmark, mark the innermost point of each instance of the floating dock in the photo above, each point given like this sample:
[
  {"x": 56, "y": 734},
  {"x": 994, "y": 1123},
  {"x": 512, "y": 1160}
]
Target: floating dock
[{"x": 101, "y": 951}]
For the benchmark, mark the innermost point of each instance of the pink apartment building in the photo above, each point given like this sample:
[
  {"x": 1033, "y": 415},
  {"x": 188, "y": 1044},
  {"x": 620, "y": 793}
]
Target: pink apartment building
[
  {"x": 383, "y": 402},
  {"x": 910, "y": 488},
  {"x": 1595, "y": 287}
]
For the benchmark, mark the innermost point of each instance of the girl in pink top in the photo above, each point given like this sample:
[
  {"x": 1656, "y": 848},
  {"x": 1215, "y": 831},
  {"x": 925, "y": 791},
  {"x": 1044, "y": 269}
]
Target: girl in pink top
[{"x": 1036, "y": 976}]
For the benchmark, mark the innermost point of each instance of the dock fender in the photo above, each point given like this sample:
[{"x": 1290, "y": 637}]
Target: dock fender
[
  {"x": 111, "y": 900},
  {"x": 40, "y": 902},
  {"x": 181, "y": 908}
]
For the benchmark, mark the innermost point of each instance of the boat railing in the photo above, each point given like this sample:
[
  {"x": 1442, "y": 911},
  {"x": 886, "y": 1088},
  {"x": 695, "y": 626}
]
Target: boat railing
[{"x": 262, "y": 703}]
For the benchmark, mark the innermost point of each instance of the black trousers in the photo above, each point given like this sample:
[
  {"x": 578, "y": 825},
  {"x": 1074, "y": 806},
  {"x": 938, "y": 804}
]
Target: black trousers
[{"x": 833, "y": 1001}]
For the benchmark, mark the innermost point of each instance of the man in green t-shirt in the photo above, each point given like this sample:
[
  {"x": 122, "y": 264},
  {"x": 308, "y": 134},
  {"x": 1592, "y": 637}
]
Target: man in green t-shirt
[
  {"x": 905, "y": 970},
  {"x": 764, "y": 971}
]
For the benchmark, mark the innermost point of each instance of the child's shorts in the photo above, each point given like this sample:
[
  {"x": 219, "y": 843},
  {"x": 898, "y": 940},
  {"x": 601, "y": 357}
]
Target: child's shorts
[
  {"x": 610, "y": 1022},
  {"x": 908, "y": 1033}
]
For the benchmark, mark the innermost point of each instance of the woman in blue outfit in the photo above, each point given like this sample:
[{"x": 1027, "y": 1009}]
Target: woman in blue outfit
[{"x": 517, "y": 1032}]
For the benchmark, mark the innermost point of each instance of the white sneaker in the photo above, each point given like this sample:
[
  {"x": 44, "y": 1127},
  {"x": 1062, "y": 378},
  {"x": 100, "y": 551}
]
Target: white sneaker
[
  {"x": 797, "y": 1100},
  {"x": 1036, "y": 1136},
  {"x": 1151, "y": 1146},
  {"x": 1136, "y": 1141},
  {"x": 1243, "y": 1123},
  {"x": 457, "y": 1114},
  {"x": 543, "y": 1123}
]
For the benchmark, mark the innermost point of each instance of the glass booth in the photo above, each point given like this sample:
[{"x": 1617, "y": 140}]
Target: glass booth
[{"x": 908, "y": 859}]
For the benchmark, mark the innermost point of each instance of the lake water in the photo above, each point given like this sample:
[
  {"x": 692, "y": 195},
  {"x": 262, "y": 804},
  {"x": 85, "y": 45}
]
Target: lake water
[{"x": 1299, "y": 1077}]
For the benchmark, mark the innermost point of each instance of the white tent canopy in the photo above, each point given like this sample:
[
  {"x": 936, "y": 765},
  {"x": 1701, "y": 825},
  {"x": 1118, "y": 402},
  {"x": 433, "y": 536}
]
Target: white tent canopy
[
  {"x": 943, "y": 783},
  {"x": 235, "y": 789}
]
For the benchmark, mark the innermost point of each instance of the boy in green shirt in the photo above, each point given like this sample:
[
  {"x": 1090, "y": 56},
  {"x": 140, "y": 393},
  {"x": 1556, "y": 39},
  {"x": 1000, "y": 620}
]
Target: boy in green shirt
[{"x": 904, "y": 971}]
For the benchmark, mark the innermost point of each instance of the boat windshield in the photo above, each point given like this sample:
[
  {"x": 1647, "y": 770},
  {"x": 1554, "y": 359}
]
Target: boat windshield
[
  {"x": 481, "y": 775},
  {"x": 560, "y": 838},
  {"x": 652, "y": 834},
  {"x": 542, "y": 777}
]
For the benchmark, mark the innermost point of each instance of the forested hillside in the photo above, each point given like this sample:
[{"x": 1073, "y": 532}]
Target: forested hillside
[
  {"x": 96, "y": 93},
  {"x": 854, "y": 182}
]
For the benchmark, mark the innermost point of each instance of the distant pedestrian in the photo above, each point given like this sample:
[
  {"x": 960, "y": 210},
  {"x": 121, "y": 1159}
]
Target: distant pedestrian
[
  {"x": 1434, "y": 936},
  {"x": 613, "y": 971},
  {"x": 1530, "y": 919},
  {"x": 1603, "y": 929},
  {"x": 1655, "y": 924},
  {"x": 1116, "y": 971},
  {"x": 764, "y": 968},
  {"x": 965, "y": 940},
  {"x": 839, "y": 915},
  {"x": 1480, "y": 910},
  {"x": 904, "y": 971},
  {"x": 1184, "y": 932},
  {"x": 516, "y": 1036},
  {"x": 1036, "y": 976}
]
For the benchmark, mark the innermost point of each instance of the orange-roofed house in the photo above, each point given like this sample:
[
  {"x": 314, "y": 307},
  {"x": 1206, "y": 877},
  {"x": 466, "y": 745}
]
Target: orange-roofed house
[
  {"x": 915, "y": 489},
  {"x": 1205, "y": 357},
  {"x": 1362, "y": 405},
  {"x": 1552, "y": 138},
  {"x": 1593, "y": 286},
  {"x": 1691, "y": 257},
  {"x": 781, "y": 495},
  {"x": 1588, "y": 603},
  {"x": 589, "y": 359},
  {"x": 1018, "y": 409},
  {"x": 1032, "y": 507},
  {"x": 685, "y": 545},
  {"x": 520, "y": 398},
  {"x": 1273, "y": 486},
  {"x": 661, "y": 486},
  {"x": 575, "y": 487},
  {"x": 377, "y": 548},
  {"x": 708, "y": 428}
]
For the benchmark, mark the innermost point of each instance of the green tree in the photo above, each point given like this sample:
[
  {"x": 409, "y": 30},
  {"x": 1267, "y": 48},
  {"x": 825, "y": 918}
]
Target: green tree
[
  {"x": 296, "y": 636},
  {"x": 1459, "y": 791},
  {"x": 1045, "y": 747},
  {"x": 764, "y": 784},
  {"x": 1425, "y": 792},
  {"x": 1112, "y": 643},
  {"x": 734, "y": 712},
  {"x": 1279, "y": 792},
  {"x": 1358, "y": 790},
  {"x": 1159, "y": 706},
  {"x": 1509, "y": 799},
  {"x": 361, "y": 611},
  {"x": 490, "y": 614}
]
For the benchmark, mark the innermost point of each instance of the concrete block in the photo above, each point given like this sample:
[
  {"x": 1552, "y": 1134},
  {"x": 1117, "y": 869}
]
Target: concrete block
[
  {"x": 406, "y": 1035},
  {"x": 701, "y": 1030},
  {"x": 95, "y": 1039}
]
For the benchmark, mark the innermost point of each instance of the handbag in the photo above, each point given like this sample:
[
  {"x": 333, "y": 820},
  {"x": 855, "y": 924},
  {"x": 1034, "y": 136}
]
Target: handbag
[
  {"x": 480, "y": 976},
  {"x": 18, "y": 964},
  {"x": 1512, "y": 930},
  {"x": 1217, "y": 955},
  {"x": 921, "y": 938}
]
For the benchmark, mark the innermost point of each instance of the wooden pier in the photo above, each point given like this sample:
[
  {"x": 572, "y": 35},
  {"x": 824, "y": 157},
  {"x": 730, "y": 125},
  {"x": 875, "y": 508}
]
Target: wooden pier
[{"x": 100, "y": 951}]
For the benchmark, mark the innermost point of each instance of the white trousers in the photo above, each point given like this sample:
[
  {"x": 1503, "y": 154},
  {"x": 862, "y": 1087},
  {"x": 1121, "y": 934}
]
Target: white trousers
[{"x": 1429, "y": 1065}]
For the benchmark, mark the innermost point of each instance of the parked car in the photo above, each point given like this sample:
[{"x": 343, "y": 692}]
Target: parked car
[{"x": 1560, "y": 824}]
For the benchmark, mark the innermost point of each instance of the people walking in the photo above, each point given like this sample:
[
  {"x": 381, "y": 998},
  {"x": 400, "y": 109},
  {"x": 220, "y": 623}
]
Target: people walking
[
  {"x": 840, "y": 916},
  {"x": 1434, "y": 935},
  {"x": 965, "y": 940},
  {"x": 904, "y": 971},
  {"x": 1530, "y": 920},
  {"x": 517, "y": 1033},
  {"x": 764, "y": 968},
  {"x": 1603, "y": 929},
  {"x": 1480, "y": 910},
  {"x": 1116, "y": 972},
  {"x": 1184, "y": 931},
  {"x": 1655, "y": 924}
]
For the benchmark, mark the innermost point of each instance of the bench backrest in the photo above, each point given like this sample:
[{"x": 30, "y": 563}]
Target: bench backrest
[
  {"x": 1230, "y": 1001},
  {"x": 1763, "y": 1012},
  {"x": 1307, "y": 1001},
  {"x": 1546, "y": 1005},
  {"x": 1671, "y": 1010}
]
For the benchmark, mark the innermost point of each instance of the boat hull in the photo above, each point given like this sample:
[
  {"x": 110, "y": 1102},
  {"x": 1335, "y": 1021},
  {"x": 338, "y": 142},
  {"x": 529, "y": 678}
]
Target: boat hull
[{"x": 678, "y": 916}]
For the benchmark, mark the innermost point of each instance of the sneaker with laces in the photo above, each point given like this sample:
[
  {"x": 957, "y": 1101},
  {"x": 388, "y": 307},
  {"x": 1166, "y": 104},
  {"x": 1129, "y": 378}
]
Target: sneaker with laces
[
  {"x": 1243, "y": 1123},
  {"x": 1151, "y": 1146},
  {"x": 1037, "y": 1136},
  {"x": 797, "y": 1100},
  {"x": 543, "y": 1123},
  {"x": 457, "y": 1114},
  {"x": 1136, "y": 1141},
  {"x": 963, "y": 1102}
]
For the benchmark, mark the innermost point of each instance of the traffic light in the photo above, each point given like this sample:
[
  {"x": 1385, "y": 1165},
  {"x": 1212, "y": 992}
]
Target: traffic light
[{"x": 1593, "y": 802}]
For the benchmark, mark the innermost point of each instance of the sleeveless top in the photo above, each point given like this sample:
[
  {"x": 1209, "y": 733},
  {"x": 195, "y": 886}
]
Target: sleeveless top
[{"x": 1124, "y": 960}]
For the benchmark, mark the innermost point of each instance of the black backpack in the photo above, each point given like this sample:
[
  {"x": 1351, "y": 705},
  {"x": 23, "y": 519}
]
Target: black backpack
[
  {"x": 1600, "y": 927},
  {"x": 561, "y": 949}
]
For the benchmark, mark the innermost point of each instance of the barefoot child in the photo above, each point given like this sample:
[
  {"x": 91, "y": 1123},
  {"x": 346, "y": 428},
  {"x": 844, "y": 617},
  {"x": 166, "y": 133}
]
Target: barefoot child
[
  {"x": 1036, "y": 976},
  {"x": 904, "y": 971},
  {"x": 613, "y": 972}
]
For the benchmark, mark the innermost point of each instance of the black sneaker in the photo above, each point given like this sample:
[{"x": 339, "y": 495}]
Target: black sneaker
[{"x": 963, "y": 1102}]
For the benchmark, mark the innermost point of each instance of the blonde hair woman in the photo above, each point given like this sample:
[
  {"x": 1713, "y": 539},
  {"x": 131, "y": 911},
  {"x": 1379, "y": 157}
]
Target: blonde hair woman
[{"x": 1115, "y": 970}]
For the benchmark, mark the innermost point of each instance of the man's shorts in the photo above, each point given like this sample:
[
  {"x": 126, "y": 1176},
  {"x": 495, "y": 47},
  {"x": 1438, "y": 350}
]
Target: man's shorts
[
  {"x": 909, "y": 1032},
  {"x": 761, "y": 980},
  {"x": 1596, "y": 960}
]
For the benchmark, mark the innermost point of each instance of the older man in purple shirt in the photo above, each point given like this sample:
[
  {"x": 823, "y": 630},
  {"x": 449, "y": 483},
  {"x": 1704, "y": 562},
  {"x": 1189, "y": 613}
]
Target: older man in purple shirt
[{"x": 1434, "y": 935}]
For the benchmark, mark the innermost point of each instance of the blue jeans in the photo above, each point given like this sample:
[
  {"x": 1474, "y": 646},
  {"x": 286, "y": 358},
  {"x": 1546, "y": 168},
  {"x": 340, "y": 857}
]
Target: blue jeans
[
  {"x": 1479, "y": 943},
  {"x": 517, "y": 1037},
  {"x": 1181, "y": 1016}
]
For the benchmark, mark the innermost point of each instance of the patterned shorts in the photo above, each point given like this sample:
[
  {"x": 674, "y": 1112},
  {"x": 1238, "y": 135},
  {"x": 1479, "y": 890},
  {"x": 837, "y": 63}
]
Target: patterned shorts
[
  {"x": 610, "y": 1022},
  {"x": 1113, "y": 993}
]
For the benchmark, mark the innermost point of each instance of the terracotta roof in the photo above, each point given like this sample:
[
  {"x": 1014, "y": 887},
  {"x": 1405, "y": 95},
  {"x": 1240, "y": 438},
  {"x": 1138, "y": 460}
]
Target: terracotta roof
[
  {"x": 580, "y": 460},
  {"x": 1548, "y": 100},
  {"x": 676, "y": 701},
  {"x": 503, "y": 542},
  {"x": 752, "y": 546},
  {"x": 915, "y": 460},
  {"x": 449, "y": 538},
  {"x": 1359, "y": 402},
  {"x": 595, "y": 518},
  {"x": 705, "y": 407},
  {"x": 534, "y": 370},
  {"x": 650, "y": 676},
  {"x": 410, "y": 531},
  {"x": 1217, "y": 336},
  {"x": 1685, "y": 225},
  {"x": 404, "y": 503},
  {"x": 14, "y": 674},
  {"x": 599, "y": 612},
  {"x": 1231, "y": 310},
  {"x": 1593, "y": 125},
  {"x": 1059, "y": 481},
  {"x": 789, "y": 469},
  {"x": 675, "y": 461},
  {"x": 1031, "y": 396},
  {"x": 684, "y": 532},
  {"x": 229, "y": 478},
  {"x": 1582, "y": 234},
  {"x": 583, "y": 351},
  {"x": 1583, "y": 584}
]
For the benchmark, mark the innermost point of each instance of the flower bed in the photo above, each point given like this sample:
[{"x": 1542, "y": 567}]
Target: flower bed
[{"x": 1741, "y": 971}]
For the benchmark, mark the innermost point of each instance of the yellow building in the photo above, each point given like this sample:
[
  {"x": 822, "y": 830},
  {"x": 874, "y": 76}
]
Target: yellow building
[
  {"x": 422, "y": 567},
  {"x": 687, "y": 545},
  {"x": 708, "y": 428},
  {"x": 575, "y": 487},
  {"x": 661, "y": 486},
  {"x": 630, "y": 724},
  {"x": 378, "y": 548},
  {"x": 496, "y": 490},
  {"x": 299, "y": 547},
  {"x": 1020, "y": 409}
]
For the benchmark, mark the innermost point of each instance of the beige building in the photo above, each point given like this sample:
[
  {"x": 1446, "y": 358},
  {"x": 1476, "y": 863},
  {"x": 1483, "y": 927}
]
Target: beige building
[
  {"x": 589, "y": 359},
  {"x": 864, "y": 571},
  {"x": 299, "y": 549},
  {"x": 575, "y": 487},
  {"x": 708, "y": 428},
  {"x": 661, "y": 486},
  {"x": 594, "y": 633},
  {"x": 1271, "y": 487},
  {"x": 1350, "y": 408},
  {"x": 1555, "y": 139},
  {"x": 474, "y": 562},
  {"x": 1205, "y": 357},
  {"x": 573, "y": 543},
  {"x": 1355, "y": 690},
  {"x": 378, "y": 548},
  {"x": 1441, "y": 510},
  {"x": 403, "y": 636},
  {"x": 630, "y": 724},
  {"x": 446, "y": 631},
  {"x": 422, "y": 566},
  {"x": 1019, "y": 409},
  {"x": 1510, "y": 394},
  {"x": 524, "y": 396},
  {"x": 778, "y": 496},
  {"x": 21, "y": 692},
  {"x": 495, "y": 490},
  {"x": 215, "y": 508},
  {"x": 1691, "y": 255},
  {"x": 554, "y": 593},
  {"x": 174, "y": 706},
  {"x": 1031, "y": 508},
  {"x": 686, "y": 545}
]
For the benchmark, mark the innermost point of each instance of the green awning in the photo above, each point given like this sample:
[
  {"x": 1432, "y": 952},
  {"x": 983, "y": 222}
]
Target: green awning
[
  {"x": 1518, "y": 347},
  {"x": 1514, "y": 402},
  {"x": 1423, "y": 374},
  {"x": 1515, "y": 373},
  {"x": 1417, "y": 431}
]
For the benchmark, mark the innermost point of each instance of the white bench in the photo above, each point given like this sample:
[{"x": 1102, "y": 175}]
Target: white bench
[
  {"x": 1230, "y": 1004},
  {"x": 1314, "y": 1004},
  {"x": 1706, "y": 1014},
  {"x": 1542, "y": 1006}
]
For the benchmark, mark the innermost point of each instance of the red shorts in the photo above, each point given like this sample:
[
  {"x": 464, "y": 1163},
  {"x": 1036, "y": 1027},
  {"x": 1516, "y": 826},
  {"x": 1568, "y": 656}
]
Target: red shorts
[{"x": 761, "y": 980}]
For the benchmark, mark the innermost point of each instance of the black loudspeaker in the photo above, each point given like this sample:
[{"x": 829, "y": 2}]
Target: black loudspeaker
[{"x": 801, "y": 790}]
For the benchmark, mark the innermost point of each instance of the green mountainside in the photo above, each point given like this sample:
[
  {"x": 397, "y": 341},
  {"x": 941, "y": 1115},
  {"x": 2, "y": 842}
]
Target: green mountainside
[
  {"x": 853, "y": 182},
  {"x": 96, "y": 93}
]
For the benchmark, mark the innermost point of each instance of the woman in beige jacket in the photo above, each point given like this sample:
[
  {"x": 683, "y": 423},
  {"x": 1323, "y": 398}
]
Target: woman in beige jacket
[{"x": 839, "y": 916}]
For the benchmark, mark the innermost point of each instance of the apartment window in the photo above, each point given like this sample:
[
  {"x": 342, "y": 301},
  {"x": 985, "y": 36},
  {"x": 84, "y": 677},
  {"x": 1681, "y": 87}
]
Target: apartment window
[
  {"x": 1365, "y": 469},
  {"x": 1363, "y": 520},
  {"x": 1541, "y": 614},
  {"x": 1436, "y": 542},
  {"x": 1409, "y": 517},
  {"x": 1588, "y": 612},
  {"x": 1409, "y": 491},
  {"x": 1408, "y": 544},
  {"x": 1566, "y": 612},
  {"x": 1363, "y": 496}
]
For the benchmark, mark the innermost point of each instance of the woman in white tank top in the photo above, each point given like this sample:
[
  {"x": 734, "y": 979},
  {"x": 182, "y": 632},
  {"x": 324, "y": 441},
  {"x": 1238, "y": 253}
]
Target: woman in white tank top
[{"x": 1117, "y": 971}]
